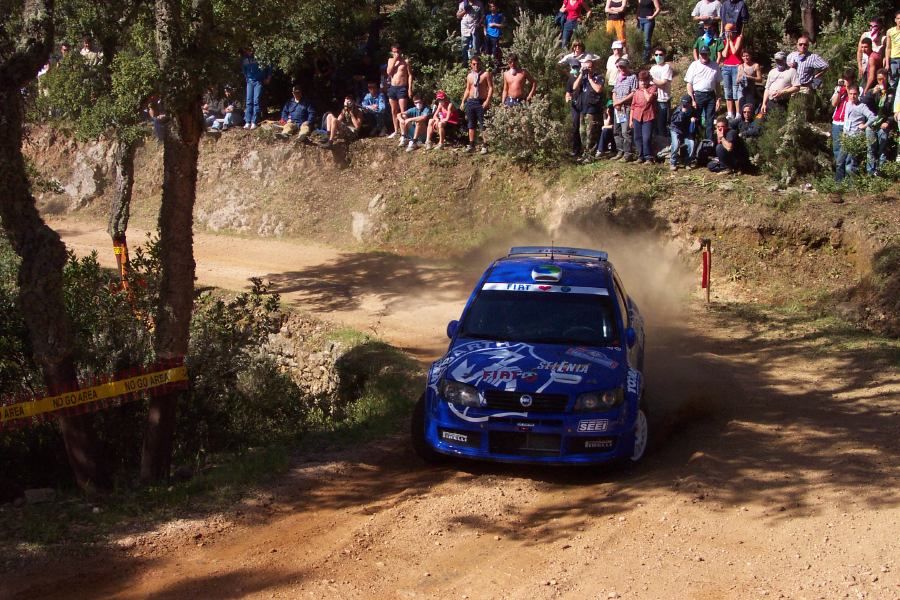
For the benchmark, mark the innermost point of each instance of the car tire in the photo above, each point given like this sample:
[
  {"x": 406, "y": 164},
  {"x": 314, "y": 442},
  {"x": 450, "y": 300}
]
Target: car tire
[
  {"x": 641, "y": 434},
  {"x": 417, "y": 428}
]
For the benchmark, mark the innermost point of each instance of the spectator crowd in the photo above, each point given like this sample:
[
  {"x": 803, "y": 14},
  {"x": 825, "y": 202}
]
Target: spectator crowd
[{"x": 621, "y": 107}]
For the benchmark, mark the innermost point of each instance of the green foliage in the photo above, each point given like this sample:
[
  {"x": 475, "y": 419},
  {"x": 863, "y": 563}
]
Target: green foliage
[
  {"x": 526, "y": 133},
  {"x": 427, "y": 31},
  {"x": 789, "y": 146},
  {"x": 536, "y": 41},
  {"x": 861, "y": 183}
]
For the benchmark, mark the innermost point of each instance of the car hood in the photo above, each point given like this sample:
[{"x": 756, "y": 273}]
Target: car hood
[{"x": 535, "y": 368}]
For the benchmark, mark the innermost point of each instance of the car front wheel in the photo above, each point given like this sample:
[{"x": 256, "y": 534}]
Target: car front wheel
[{"x": 641, "y": 434}]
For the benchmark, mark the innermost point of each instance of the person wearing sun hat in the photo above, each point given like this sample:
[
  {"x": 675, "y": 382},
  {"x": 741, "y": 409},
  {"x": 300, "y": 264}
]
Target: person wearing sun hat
[
  {"x": 782, "y": 83},
  {"x": 618, "y": 51}
]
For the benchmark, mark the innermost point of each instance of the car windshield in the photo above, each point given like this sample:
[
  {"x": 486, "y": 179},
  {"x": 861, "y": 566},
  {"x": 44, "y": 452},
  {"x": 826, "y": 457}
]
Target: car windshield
[{"x": 538, "y": 318}]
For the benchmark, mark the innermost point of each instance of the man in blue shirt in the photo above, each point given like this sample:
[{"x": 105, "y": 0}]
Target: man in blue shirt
[
  {"x": 297, "y": 115},
  {"x": 494, "y": 22},
  {"x": 413, "y": 124},
  {"x": 374, "y": 107},
  {"x": 256, "y": 77}
]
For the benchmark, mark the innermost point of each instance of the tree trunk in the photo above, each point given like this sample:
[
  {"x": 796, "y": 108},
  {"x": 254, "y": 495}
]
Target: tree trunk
[
  {"x": 181, "y": 96},
  {"x": 808, "y": 18},
  {"x": 121, "y": 203},
  {"x": 42, "y": 252}
]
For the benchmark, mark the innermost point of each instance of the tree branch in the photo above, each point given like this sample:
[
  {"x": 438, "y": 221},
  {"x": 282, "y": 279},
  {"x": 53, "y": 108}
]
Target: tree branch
[{"x": 33, "y": 46}]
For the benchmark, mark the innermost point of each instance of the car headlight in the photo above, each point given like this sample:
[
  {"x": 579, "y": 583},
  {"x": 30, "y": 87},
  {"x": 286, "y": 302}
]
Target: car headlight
[
  {"x": 459, "y": 393},
  {"x": 599, "y": 400}
]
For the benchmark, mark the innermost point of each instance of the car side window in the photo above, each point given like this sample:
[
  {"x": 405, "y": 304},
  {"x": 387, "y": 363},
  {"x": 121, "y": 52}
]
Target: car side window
[{"x": 620, "y": 298}]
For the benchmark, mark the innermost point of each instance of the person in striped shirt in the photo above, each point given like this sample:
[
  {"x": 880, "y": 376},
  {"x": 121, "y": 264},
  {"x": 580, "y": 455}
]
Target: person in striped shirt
[{"x": 809, "y": 66}]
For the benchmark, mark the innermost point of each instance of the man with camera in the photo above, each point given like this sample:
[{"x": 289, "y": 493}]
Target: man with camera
[{"x": 587, "y": 100}]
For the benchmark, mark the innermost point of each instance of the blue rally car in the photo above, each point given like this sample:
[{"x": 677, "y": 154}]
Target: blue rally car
[{"x": 543, "y": 367}]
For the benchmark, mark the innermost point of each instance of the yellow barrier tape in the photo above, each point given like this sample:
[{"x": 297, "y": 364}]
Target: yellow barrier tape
[{"x": 105, "y": 391}]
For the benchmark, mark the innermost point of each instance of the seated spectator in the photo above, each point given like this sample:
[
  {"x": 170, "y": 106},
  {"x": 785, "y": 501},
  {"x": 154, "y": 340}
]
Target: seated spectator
[
  {"x": 747, "y": 125},
  {"x": 233, "y": 114},
  {"x": 731, "y": 153},
  {"x": 413, "y": 124},
  {"x": 734, "y": 12},
  {"x": 683, "y": 129},
  {"x": 515, "y": 81},
  {"x": 707, "y": 11},
  {"x": 374, "y": 107},
  {"x": 839, "y": 102},
  {"x": 444, "y": 121},
  {"x": 615, "y": 19},
  {"x": 607, "y": 145},
  {"x": 749, "y": 80},
  {"x": 612, "y": 70},
  {"x": 880, "y": 100},
  {"x": 782, "y": 83},
  {"x": 297, "y": 115},
  {"x": 871, "y": 62},
  {"x": 346, "y": 126},
  {"x": 643, "y": 114},
  {"x": 213, "y": 107},
  {"x": 857, "y": 120},
  {"x": 709, "y": 39}
]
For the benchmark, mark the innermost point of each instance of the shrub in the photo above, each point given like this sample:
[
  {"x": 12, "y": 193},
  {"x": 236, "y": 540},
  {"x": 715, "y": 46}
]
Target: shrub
[
  {"x": 526, "y": 133},
  {"x": 789, "y": 146},
  {"x": 536, "y": 41}
]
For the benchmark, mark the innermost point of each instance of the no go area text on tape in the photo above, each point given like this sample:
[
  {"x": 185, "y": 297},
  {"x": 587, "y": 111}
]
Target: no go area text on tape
[{"x": 13, "y": 414}]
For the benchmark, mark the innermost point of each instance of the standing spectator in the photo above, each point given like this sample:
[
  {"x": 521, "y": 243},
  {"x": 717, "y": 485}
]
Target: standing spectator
[
  {"x": 876, "y": 44},
  {"x": 414, "y": 123},
  {"x": 839, "y": 100},
  {"x": 707, "y": 11},
  {"x": 615, "y": 18},
  {"x": 709, "y": 39},
  {"x": 731, "y": 153},
  {"x": 683, "y": 127},
  {"x": 297, "y": 115},
  {"x": 612, "y": 68},
  {"x": 515, "y": 81},
  {"x": 810, "y": 67},
  {"x": 857, "y": 120},
  {"x": 623, "y": 94},
  {"x": 735, "y": 12},
  {"x": 577, "y": 55},
  {"x": 662, "y": 75},
  {"x": 646, "y": 21},
  {"x": 607, "y": 144},
  {"x": 91, "y": 57},
  {"x": 870, "y": 64},
  {"x": 892, "y": 50},
  {"x": 256, "y": 77},
  {"x": 749, "y": 79},
  {"x": 157, "y": 112},
  {"x": 476, "y": 99},
  {"x": 731, "y": 62},
  {"x": 400, "y": 89},
  {"x": 880, "y": 101},
  {"x": 374, "y": 107},
  {"x": 64, "y": 49},
  {"x": 573, "y": 99},
  {"x": 471, "y": 23},
  {"x": 232, "y": 111},
  {"x": 444, "y": 121},
  {"x": 347, "y": 125},
  {"x": 643, "y": 114},
  {"x": 781, "y": 83},
  {"x": 494, "y": 22},
  {"x": 702, "y": 79},
  {"x": 588, "y": 92},
  {"x": 573, "y": 10}
]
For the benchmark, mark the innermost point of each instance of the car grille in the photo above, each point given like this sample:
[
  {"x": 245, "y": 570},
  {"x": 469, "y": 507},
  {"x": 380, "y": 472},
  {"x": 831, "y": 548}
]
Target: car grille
[
  {"x": 527, "y": 444},
  {"x": 501, "y": 400}
]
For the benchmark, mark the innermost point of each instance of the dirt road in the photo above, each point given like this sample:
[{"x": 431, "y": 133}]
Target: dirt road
[{"x": 775, "y": 474}]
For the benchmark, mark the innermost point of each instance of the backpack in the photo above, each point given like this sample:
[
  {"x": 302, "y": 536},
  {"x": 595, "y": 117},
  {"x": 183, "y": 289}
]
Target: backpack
[{"x": 706, "y": 151}]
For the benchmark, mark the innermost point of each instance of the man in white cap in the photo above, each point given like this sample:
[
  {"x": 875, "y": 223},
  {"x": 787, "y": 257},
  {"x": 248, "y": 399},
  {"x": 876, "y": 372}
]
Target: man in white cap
[
  {"x": 618, "y": 51},
  {"x": 782, "y": 83}
]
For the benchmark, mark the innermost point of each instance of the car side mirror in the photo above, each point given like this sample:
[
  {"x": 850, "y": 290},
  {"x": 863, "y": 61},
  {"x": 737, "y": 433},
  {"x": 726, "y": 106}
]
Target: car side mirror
[
  {"x": 452, "y": 328},
  {"x": 630, "y": 337}
]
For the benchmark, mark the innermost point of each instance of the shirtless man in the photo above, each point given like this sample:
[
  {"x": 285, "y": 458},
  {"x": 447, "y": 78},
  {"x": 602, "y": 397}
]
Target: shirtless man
[
  {"x": 476, "y": 99},
  {"x": 401, "y": 88},
  {"x": 515, "y": 80}
]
